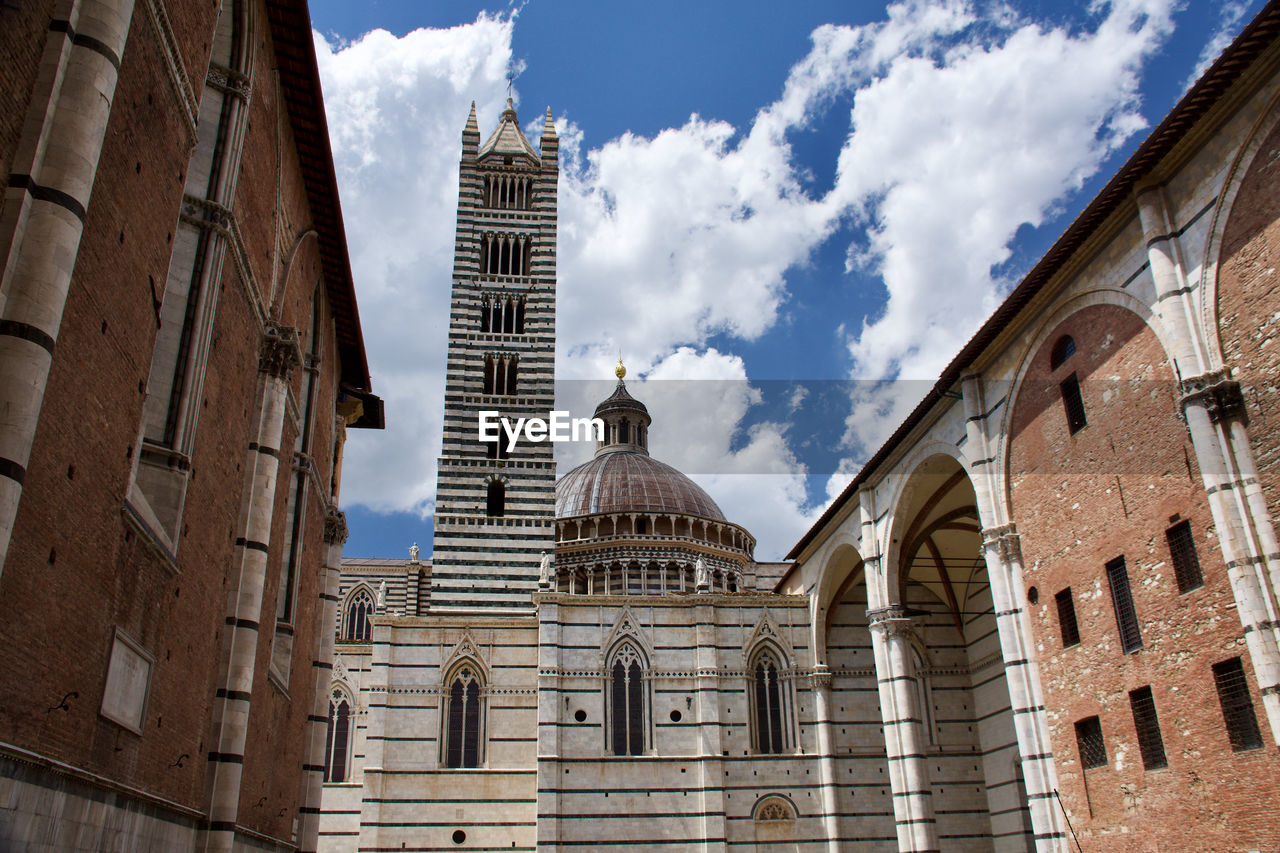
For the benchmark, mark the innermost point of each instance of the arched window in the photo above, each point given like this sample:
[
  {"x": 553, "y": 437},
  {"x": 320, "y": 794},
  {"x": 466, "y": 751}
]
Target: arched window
[
  {"x": 464, "y": 717},
  {"x": 1062, "y": 350},
  {"x": 495, "y": 505},
  {"x": 355, "y": 627},
  {"x": 769, "y": 703},
  {"x": 627, "y": 702},
  {"x": 337, "y": 741}
]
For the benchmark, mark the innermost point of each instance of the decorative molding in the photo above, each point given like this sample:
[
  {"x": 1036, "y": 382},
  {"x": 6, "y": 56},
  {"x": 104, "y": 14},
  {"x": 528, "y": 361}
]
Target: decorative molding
[
  {"x": 335, "y": 527},
  {"x": 177, "y": 76},
  {"x": 210, "y": 215},
  {"x": 229, "y": 81},
  {"x": 1217, "y": 392},
  {"x": 279, "y": 353}
]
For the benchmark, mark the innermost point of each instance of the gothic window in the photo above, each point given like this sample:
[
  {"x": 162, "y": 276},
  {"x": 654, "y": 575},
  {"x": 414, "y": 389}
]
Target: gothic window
[
  {"x": 496, "y": 499},
  {"x": 496, "y": 448},
  {"x": 501, "y": 373},
  {"x": 187, "y": 297},
  {"x": 768, "y": 702},
  {"x": 464, "y": 717},
  {"x": 507, "y": 192},
  {"x": 337, "y": 741},
  {"x": 627, "y": 702},
  {"x": 355, "y": 626},
  {"x": 518, "y": 314},
  {"x": 506, "y": 254}
]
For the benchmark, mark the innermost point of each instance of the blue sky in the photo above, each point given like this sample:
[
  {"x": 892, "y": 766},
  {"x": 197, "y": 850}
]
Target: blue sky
[{"x": 814, "y": 206}]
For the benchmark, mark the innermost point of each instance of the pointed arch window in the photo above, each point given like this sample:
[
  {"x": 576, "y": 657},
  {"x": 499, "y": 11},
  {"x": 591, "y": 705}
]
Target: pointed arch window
[
  {"x": 770, "y": 703},
  {"x": 337, "y": 741},
  {"x": 355, "y": 625},
  {"x": 464, "y": 717},
  {"x": 627, "y": 702}
]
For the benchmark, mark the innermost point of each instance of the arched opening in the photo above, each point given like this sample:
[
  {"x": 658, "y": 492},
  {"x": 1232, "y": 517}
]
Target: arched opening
[
  {"x": 355, "y": 623},
  {"x": 1062, "y": 350},
  {"x": 628, "y": 713},
  {"x": 464, "y": 716},
  {"x": 960, "y": 690},
  {"x": 496, "y": 500},
  {"x": 337, "y": 742},
  {"x": 769, "y": 702}
]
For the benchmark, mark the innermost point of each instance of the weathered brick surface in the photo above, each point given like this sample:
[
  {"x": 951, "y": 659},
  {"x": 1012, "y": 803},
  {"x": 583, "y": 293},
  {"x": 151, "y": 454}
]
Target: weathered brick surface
[
  {"x": 77, "y": 569},
  {"x": 1112, "y": 489},
  {"x": 1247, "y": 278},
  {"x": 20, "y": 52}
]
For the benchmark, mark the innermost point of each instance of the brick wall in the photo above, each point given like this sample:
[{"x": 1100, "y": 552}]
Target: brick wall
[{"x": 1112, "y": 489}]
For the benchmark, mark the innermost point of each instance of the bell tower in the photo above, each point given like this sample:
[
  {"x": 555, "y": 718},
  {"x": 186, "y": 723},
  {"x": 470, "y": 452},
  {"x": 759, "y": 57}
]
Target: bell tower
[{"x": 495, "y": 510}]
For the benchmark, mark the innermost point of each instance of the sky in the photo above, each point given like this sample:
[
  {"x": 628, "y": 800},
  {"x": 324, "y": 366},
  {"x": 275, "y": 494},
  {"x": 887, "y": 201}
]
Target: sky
[{"x": 786, "y": 220}]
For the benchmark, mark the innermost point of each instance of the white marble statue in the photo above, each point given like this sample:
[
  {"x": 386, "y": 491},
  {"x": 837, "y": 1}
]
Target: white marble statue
[
  {"x": 413, "y": 553},
  {"x": 382, "y": 595},
  {"x": 701, "y": 577},
  {"x": 544, "y": 570}
]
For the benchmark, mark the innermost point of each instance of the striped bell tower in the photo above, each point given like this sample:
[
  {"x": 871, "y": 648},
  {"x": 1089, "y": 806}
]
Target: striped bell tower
[{"x": 495, "y": 510}]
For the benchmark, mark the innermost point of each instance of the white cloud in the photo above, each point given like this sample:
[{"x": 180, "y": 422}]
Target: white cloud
[
  {"x": 396, "y": 108},
  {"x": 967, "y": 123}
]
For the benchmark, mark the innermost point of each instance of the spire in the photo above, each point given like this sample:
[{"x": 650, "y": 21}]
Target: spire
[
  {"x": 626, "y": 419},
  {"x": 509, "y": 139},
  {"x": 548, "y": 126},
  {"x": 471, "y": 134}
]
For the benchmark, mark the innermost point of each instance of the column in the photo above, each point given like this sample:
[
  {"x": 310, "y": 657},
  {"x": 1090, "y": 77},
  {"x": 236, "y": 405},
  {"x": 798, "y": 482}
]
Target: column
[
  {"x": 278, "y": 356},
  {"x": 821, "y": 681},
  {"x": 1002, "y": 552},
  {"x": 335, "y": 533},
  {"x": 59, "y": 154},
  {"x": 891, "y": 633}
]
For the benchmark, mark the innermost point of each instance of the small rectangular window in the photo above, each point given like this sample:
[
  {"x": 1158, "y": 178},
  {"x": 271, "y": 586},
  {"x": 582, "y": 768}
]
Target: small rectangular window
[
  {"x": 1122, "y": 600},
  {"x": 1147, "y": 724},
  {"x": 1093, "y": 752},
  {"x": 1182, "y": 551},
  {"x": 1073, "y": 404},
  {"x": 1067, "y": 618},
  {"x": 1237, "y": 707}
]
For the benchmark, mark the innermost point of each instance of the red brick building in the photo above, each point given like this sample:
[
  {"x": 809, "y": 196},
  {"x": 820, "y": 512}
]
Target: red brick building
[
  {"x": 1090, "y": 487},
  {"x": 180, "y": 357}
]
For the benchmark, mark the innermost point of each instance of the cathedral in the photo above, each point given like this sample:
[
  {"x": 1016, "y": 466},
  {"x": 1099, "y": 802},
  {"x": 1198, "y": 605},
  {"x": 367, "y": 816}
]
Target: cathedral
[{"x": 1043, "y": 616}]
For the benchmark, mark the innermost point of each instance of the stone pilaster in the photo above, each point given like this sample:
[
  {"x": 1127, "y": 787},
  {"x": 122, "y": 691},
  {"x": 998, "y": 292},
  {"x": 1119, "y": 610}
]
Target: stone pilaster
[
  {"x": 278, "y": 356},
  {"x": 46, "y": 208},
  {"x": 335, "y": 534},
  {"x": 891, "y": 632}
]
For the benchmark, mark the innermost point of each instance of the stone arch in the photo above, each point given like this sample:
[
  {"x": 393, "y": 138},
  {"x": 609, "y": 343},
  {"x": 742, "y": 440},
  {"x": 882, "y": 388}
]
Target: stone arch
[
  {"x": 1242, "y": 167},
  {"x": 1037, "y": 345},
  {"x": 774, "y": 822},
  {"x": 357, "y": 595}
]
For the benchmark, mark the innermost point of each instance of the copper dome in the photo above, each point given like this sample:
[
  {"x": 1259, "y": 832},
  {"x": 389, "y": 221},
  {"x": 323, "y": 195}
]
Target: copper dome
[{"x": 628, "y": 481}]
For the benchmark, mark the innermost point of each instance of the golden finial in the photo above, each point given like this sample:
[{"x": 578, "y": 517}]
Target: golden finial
[{"x": 620, "y": 371}]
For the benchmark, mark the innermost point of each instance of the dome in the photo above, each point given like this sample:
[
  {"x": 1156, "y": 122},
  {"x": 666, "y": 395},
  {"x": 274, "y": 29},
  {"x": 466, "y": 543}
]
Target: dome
[{"x": 629, "y": 481}]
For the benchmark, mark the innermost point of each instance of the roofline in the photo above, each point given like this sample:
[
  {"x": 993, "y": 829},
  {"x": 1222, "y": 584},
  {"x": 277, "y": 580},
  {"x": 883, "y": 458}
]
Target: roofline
[
  {"x": 295, "y": 53},
  {"x": 1260, "y": 34}
]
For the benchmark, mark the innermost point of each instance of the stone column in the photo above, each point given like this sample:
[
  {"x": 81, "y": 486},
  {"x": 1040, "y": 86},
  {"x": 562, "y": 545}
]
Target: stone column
[
  {"x": 278, "y": 356},
  {"x": 1214, "y": 409},
  {"x": 552, "y": 710},
  {"x": 335, "y": 533},
  {"x": 821, "y": 681},
  {"x": 1002, "y": 552},
  {"x": 48, "y": 194},
  {"x": 891, "y": 633}
]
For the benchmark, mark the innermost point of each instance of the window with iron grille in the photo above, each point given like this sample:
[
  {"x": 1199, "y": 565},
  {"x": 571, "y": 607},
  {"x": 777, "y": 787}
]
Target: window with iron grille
[
  {"x": 1073, "y": 403},
  {"x": 1147, "y": 724},
  {"x": 1122, "y": 600},
  {"x": 1093, "y": 752},
  {"x": 1182, "y": 551},
  {"x": 1067, "y": 618},
  {"x": 1237, "y": 707}
]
